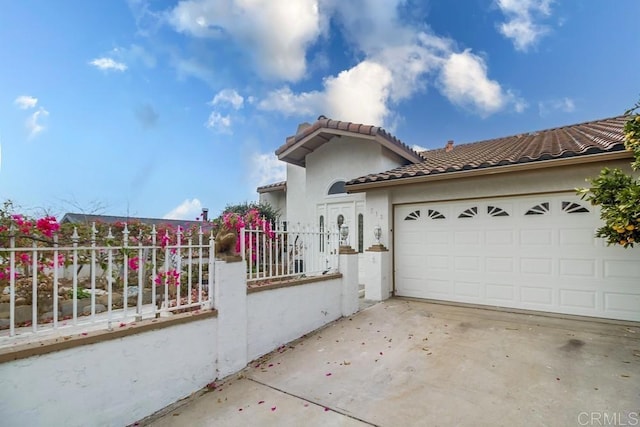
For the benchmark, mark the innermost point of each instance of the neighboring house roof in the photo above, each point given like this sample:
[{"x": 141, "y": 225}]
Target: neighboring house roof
[
  {"x": 78, "y": 218},
  {"x": 584, "y": 139},
  {"x": 311, "y": 136},
  {"x": 276, "y": 186}
]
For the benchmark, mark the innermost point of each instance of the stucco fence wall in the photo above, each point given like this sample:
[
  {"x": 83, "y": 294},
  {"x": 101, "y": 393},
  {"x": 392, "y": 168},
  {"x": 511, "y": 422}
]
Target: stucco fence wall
[{"x": 113, "y": 378}]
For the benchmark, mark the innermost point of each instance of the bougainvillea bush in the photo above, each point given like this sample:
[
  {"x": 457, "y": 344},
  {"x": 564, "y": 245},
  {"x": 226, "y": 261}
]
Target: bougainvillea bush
[{"x": 40, "y": 244}]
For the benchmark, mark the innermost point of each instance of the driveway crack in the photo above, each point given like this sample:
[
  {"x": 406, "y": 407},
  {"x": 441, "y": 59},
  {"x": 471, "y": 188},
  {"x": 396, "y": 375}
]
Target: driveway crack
[{"x": 313, "y": 403}]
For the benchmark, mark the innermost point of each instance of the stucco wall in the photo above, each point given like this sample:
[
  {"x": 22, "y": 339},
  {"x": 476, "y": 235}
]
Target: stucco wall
[
  {"x": 111, "y": 383},
  {"x": 278, "y": 316},
  {"x": 296, "y": 181},
  {"x": 277, "y": 200},
  {"x": 342, "y": 158},
  {"x": 557, "y": 179}
]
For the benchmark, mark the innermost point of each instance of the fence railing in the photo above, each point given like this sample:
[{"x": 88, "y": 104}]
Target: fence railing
[
  {"x": 277, "y": 253},
  {"x": 106, "y": 279}
]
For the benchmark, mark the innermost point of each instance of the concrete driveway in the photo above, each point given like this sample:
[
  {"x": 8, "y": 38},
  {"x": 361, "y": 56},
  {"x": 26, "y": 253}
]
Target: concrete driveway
[{"x": 412, "y": 363}]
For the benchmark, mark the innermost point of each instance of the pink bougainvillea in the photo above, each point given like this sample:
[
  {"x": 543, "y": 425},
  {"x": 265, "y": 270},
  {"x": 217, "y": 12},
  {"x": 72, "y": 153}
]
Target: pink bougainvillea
[
  {"x": 252, "y": 221},
  {"x": 172, "y": 278}
]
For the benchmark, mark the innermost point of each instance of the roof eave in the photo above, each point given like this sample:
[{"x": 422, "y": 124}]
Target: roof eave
[
  {"x": 517, "y": 167},
  {"x": 286, "y": 154},
  {"x": 262, "y": 190},
  {"x": 410, "y": 156}
]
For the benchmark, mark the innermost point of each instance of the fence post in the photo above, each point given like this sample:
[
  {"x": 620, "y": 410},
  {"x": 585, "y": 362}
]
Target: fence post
[
  {"x": 231, "y": 302},
  {"x": 349, "y": 269},
  {"x": 377, "y": 278}
]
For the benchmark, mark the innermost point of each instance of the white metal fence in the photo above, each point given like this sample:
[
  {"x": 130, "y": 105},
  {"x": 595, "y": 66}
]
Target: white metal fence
[
  {"x": 279, "y": 253},
  {"x": 103, "y": 280}
]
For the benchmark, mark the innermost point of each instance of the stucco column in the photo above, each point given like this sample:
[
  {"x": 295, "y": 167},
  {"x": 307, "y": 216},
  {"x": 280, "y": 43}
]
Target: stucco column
[
  {"x": 231, "y": 303},
  {"x": 349, "y": 269},
  {"x": 377, "y": 286}
]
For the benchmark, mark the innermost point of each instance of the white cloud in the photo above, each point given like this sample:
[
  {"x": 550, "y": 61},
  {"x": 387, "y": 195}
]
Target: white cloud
[
  {"x": 34, "y": 122},
  {"x": 275, "y": 32},
  {"x": 218, "y": 122},
  {"x": 396, "y": 59},
  {"x": 465, "y": 83},
  {"x": 266, "y": 169},
  {"x": 228, "y": 96},
  {"x": 285, "y": 101},
  {"x": 562, "y": 105},
  {"x": 190, "y": 209},
  {"x": 25, "y": 102},
  {"x": 418, "y": 148},
  {"x": 108, "y": 64},
  {"x": 359, "y": 94},
  {"x": 520, "y": 26},
  {"x": 398, "y": 62}
]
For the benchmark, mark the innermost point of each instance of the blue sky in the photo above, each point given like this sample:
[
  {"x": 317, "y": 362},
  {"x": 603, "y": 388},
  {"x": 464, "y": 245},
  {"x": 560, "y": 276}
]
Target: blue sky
[{"x": 159, "y": 108}]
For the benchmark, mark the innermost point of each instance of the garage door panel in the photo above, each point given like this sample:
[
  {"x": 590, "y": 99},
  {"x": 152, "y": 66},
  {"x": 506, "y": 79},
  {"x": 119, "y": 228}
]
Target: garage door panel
[
  {"x": 536, "y": 237},
  {"x": 530, "y": 252},
  {"x": 468, "y": 289},
  {"x": 577, "y": 267},
  {"x": 467, "y": 263},
  {"x": 536, "y": 265},
  {"x": 573, "y": 298},
  {"x": 439, "y": 287},
  {"x": 438, "y": 262},
  {"x": 499, "y": 237},
  {"x": 412, "y": 237},
  {"x": 501, "y": 292},
  {"x": 499, "y": 264},
  {"x": 626, "y": 269},
  {"x": 578, "y": 236},
  {"x": 437, "y": 238},
  {"x": 621, "y": 302},
  {"x": 536, "y": 295},
  {"x": 467, "y": 238}
]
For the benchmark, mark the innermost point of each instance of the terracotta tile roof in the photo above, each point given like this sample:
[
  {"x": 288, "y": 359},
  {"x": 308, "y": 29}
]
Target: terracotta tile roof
[
  {"x": 599, "y": 136},
  {"x": 332, "y": 127},
  {"x": 276, "y": 186}
]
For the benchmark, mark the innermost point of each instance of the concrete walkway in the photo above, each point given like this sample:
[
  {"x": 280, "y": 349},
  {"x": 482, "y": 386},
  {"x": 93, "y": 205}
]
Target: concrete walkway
[{"x": 409, "y": 363}]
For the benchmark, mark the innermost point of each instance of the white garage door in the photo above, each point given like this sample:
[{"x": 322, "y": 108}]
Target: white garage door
[{"x": 534, "y": 252}]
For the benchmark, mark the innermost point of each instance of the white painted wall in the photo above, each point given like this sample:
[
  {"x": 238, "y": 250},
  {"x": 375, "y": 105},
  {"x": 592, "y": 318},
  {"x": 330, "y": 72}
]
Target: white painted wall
[
  {"x": 296, "y": 181},
  {"x": 342, "y": 158},
  {"x": 278, "y": 316},
  {"x": 277, "y": 200},
  {"x": 565, "y": 178},
  {"x": 112, "y": 383},
  {"x": 120, "y": 381}
]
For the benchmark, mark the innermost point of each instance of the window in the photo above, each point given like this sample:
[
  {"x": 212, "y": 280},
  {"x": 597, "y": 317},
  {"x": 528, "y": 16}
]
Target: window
[
  {"x": 337, "y": 188},
  {"x": 570, "y": 207},
  {"x": 433, "y": 214},
  {"x": 496, "y": 211},
  {"x": 413, "y": 216},
  {"x": 469, "y": 213},
  {"x": 541, "y": 209},
  {"x": 360, "y": 233},
  {"x": 340, "y": 221},
  {"x": 321, "y": 227}
]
